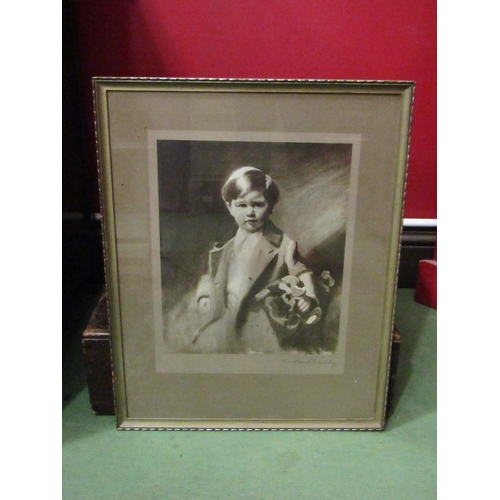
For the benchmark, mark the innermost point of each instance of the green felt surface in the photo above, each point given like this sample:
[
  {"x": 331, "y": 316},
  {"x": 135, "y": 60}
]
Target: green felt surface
[{"x": 100, "y": 462}]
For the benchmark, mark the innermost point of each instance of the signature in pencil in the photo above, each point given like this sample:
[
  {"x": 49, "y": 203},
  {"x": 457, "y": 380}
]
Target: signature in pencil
[{"x": 312, "y": 360}]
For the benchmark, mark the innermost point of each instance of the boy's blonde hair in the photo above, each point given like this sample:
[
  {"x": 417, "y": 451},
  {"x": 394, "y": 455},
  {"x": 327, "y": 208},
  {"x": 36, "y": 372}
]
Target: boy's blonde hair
[{"x": 246, "y": 179}]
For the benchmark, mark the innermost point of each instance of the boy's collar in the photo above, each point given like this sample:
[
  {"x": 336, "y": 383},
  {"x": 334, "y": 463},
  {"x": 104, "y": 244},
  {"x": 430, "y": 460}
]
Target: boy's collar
[
  {"x": 273, "y": 234},
  {"x": 242, "y": 235}
]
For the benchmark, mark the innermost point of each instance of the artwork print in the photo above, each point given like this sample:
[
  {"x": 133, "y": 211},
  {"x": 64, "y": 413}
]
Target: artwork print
[{"x": 252, "y": 238}]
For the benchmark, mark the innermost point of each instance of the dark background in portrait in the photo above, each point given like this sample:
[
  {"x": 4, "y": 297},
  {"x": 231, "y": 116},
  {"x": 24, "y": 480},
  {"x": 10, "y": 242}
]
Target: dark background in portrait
[{"x": 313, "y": 180}]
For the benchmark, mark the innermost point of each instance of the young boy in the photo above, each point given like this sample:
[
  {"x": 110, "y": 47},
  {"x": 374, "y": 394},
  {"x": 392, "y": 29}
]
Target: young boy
[{"x": 259, "y": 254}]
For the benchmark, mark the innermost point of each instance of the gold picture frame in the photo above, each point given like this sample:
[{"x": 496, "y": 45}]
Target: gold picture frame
[{"x": 273, "y": 355}]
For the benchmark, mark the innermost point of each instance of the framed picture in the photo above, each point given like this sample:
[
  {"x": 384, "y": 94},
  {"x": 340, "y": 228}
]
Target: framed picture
[{"x": 252, "y": 232}]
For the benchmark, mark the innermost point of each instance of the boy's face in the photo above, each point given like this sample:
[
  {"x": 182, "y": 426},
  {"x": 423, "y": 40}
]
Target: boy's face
[{"x": 251, "y": 211}]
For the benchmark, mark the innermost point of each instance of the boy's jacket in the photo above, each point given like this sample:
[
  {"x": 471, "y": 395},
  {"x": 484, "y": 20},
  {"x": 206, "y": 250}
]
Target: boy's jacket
[{"x": 277, "y": 256}]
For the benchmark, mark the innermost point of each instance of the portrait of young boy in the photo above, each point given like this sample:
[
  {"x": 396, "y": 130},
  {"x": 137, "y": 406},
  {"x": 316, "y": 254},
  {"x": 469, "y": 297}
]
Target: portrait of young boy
[
  {"x": 235, "y": 280},
  {"x": 239, "y": 270}
]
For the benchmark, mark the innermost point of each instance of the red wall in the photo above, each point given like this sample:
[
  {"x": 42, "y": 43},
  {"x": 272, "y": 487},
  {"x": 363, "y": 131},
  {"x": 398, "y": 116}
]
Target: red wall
[{"x": 331, "y": 39}]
